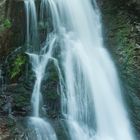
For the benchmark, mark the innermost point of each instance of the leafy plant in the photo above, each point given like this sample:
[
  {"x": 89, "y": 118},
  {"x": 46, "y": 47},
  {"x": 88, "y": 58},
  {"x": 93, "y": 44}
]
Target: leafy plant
[
  {"x": 7, "y": 23},
  {"x": 17, "y": 66}
]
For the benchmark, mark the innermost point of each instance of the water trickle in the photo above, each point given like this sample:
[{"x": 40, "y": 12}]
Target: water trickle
[
  {"x": 39, "y": 60},
  {"x": 31, "y": 25},
  {"x": 91, "y": 98}
]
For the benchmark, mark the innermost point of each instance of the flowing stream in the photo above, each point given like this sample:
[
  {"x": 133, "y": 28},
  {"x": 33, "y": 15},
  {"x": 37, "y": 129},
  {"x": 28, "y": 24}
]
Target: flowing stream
[{"x": 91, "y": 101}]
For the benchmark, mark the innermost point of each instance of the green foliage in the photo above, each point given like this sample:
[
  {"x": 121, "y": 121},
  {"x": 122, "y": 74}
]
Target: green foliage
[
  {"x": 21, "y": 100},
  {"x": 17, "y": 66},
  {"x": 126, "y": 46},
  {"x": 123, "y": 37},
  {"x": 52, "y": 96},
  {"x": 5, "y": 24}
]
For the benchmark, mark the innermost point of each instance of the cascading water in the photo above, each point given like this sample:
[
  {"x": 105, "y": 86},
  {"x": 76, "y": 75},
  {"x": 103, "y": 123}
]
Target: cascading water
[
  {"x": 90, "y": 93},
  {"x": 43, "y": 129},
  {"x": 31, "y": 23},
  {"x": 91, "y": 100}
]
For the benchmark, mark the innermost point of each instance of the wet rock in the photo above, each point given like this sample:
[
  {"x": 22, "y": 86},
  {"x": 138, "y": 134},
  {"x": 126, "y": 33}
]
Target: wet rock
[
  {"x": 15, "y": 100},
  {"x": 19, "y": 129},
  {"x": 121, "y": 30}
]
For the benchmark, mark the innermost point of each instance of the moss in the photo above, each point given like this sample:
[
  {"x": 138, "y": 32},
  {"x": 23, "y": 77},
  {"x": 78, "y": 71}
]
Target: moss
[
  {"x": 20, "y": 100},
  {"x": 52, "y": 83},
  {"x": 52, "y": 96},
  {"x": 5, "y": 24},
  {"x": 10, "y": 122},
  {"x": 122, "y": 42},
  {"x": 122, "y": 37},
  {"x": 17, "y": 65}
]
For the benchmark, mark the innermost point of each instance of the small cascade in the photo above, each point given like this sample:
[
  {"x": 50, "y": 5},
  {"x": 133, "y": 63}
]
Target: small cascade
[
  {"x": 43, "y": 10},
  {"x": 39, "y": 61},
  {"x": 44, "y": 130},
  {"x": 31, "y": 25}
]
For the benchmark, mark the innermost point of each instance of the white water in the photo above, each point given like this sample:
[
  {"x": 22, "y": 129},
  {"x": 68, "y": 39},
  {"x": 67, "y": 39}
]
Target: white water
[
  {"x": 91, "y": 97},
  {"x": 39, "y": 64},
  {"x": 91, "y": 100},
  {"x": 43, "y": 129},
  {"x": 31, "y": 24}
]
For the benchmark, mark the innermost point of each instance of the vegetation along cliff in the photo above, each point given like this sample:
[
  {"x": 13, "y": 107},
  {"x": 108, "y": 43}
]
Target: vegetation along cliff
[{"x": 121, "y": 31}]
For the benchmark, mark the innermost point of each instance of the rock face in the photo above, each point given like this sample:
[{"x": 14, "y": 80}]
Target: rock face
[
  {"x": 121, "y": 24},
  {"x": 15, "y": 83},
  {"x": 11, "y": 27},
  {"x": 122, "y": 30}
]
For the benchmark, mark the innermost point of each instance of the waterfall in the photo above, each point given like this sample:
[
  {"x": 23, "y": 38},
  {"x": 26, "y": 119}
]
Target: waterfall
[
  {"x": 91, "y": 98},
  {"x": 39, "y": 61},
  {"x": 31, "y": 23}
]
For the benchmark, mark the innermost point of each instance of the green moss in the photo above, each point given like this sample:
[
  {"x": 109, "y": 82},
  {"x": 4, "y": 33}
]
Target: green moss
[
  {"x": 5, "y": 24},
  {"x": 52, "y": 96},
  {"x": 125, "y": 46},
  {"x": 20, "y": 101},
  {"x": 17, "y": 65},
  {"x": 122, "y": 39},
  {"x": 120, "y": 30},
  {"x": 10, "y": 122}
]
